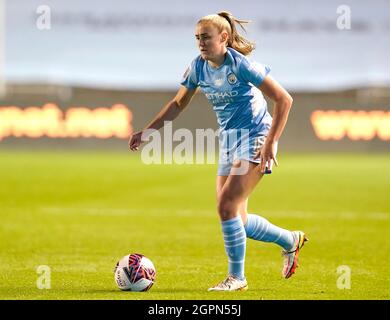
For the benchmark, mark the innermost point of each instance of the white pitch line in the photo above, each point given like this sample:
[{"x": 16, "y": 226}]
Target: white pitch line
[
  {"x": 121, "y": 211},
  {"x": 186, "y": 212}
]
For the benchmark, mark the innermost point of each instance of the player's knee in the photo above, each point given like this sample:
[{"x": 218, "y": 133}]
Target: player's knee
[{"x": 227, "y": 207}]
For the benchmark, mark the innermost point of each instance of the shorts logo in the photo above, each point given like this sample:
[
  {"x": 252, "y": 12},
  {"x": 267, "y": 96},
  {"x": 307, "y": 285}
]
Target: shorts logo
[
  {"x": 232, "y": 79},
  {"x": 259, "y": 142}
]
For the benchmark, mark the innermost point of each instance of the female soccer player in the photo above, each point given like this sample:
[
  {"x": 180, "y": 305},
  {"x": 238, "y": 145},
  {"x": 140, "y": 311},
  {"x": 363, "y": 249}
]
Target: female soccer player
[{"x": 248, "y": 137}]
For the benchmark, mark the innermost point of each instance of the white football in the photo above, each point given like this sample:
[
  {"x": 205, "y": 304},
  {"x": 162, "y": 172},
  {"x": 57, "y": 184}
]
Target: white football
[{"x": 134, "y": 272}]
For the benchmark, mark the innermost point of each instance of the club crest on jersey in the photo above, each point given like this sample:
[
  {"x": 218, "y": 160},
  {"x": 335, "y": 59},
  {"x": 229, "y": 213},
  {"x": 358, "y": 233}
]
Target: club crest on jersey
[{"x": 232, "y": 79}]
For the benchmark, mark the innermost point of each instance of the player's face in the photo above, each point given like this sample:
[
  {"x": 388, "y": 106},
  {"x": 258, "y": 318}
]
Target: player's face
[{"x": 211, "y": 43}]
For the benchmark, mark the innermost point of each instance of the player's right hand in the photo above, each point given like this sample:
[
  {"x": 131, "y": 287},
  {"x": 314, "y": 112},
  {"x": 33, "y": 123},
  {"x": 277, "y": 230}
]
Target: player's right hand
[{"x": 135, "y": 140}]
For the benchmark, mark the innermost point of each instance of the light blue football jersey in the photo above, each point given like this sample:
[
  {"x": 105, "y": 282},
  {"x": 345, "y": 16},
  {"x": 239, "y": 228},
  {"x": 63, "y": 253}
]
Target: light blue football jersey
[{"x": 232, "y": 90}]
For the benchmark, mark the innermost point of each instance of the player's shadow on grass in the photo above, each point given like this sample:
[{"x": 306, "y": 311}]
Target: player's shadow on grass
[
  {"x": 103, "y": 291},
  {"x": 152, "y": 291},
  {"x": 157, "y": 291},
  {"x": 179, "y": 290}
]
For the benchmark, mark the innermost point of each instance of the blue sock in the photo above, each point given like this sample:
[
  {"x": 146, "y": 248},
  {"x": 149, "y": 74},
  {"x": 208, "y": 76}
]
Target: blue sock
[
  {"x": 259, "y": 228},
  {"x": 235, "y": 244}
]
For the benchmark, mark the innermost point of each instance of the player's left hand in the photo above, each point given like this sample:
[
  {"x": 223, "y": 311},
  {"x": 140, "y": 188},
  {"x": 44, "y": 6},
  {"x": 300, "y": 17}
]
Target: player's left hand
[{"x": 267, "y": 155}]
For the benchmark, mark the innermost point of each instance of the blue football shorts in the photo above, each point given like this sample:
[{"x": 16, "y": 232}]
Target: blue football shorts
[{"x": 233, "y": 147}]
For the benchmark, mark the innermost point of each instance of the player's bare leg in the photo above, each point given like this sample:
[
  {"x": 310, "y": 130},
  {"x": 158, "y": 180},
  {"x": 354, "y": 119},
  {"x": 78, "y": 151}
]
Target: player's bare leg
[
  {"x": 232, "y": 194},
  {"x": 297, "y": 237},
  {"x": 242, "y": 207},
  {"x": 234, "y": 190}
]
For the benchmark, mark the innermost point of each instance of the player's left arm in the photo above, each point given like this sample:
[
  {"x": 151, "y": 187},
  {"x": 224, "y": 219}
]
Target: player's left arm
[{"x": 282, "y": 105}]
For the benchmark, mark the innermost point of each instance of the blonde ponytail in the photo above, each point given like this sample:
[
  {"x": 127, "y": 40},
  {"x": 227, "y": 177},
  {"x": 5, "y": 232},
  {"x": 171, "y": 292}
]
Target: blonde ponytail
[{"x": 226, "y": 21}]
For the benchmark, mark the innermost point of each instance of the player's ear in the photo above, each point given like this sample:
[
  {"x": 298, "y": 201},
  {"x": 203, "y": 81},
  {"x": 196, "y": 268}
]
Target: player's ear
[{"x": 224, "y": 36}]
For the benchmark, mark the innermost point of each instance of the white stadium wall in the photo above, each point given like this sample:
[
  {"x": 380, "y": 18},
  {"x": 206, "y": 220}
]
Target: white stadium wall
[
  {"x": 86, "y": 73},
  {"x": 147, "y": 45}
]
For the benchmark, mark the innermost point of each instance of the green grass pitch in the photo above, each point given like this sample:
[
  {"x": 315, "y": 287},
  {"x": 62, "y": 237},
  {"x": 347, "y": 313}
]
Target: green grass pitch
[{"x": 79, "y": 212}]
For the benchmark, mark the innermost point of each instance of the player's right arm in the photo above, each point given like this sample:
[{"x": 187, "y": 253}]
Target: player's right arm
[{"x": 168, "y": 113}]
